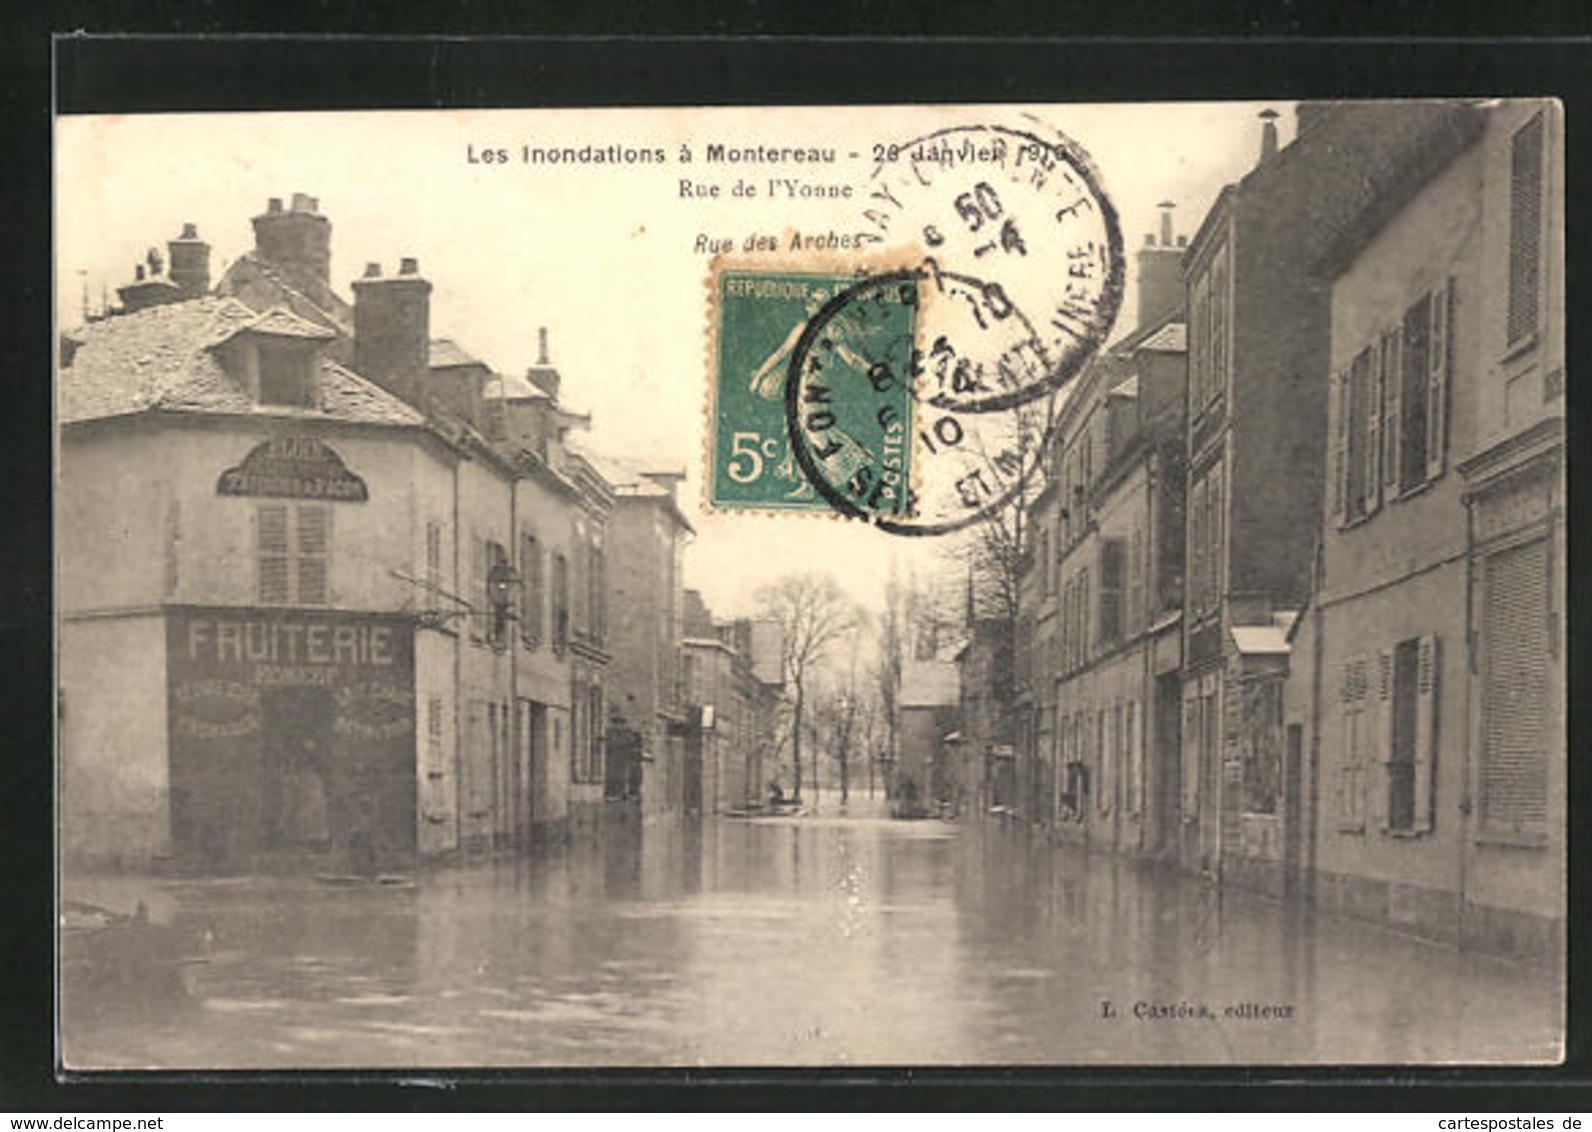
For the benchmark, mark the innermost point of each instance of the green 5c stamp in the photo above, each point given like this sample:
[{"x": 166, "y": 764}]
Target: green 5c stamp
[{"x": 761, "y": 318}]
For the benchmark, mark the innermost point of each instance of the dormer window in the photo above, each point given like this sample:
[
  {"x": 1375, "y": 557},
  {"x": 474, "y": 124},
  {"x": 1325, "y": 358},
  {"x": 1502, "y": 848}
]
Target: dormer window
[{"x": 285, "y": 374}]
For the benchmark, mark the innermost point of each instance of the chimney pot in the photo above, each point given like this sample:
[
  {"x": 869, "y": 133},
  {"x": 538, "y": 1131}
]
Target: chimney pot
[
  {"x": 408, "y": 265},
  {"x": 1268, "y": 134},
  {"x": 138, "y": 272},
  {"x": 1149, "y": 239},
  {"x": 302, "y": 203},
  {"x": 373, "y": 271},
  {"x": 1182, "y": 241},
  {"x": 274, "y": 204},
  {"x": 541, "y": 346},
  {"x": 1166, "y": 208},
  {"x": 190, "y": 231}
]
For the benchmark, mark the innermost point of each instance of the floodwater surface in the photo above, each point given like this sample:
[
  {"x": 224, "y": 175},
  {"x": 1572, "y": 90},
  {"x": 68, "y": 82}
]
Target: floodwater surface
[{"x": 836, "y": 938}]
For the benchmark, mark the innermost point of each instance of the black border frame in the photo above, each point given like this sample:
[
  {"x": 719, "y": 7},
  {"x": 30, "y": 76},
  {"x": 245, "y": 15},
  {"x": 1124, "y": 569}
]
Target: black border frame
[{"x": 139, "y": 73}]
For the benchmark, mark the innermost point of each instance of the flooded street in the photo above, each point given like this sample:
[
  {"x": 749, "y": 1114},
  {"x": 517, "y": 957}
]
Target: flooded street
[{"x": 830, "y": 939}]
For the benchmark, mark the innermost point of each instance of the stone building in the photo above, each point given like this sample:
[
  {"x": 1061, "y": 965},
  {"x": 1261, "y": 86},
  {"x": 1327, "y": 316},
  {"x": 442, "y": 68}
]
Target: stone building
[
  {"x": 1427, "y": 697},
  {"x": 291, "y": 633},
  {"x": 732, "y": 712},
  {"x": 1103, "y": 590},
  {"x": 648, "y": 717},
  {"x": 1259, "y": 345}
]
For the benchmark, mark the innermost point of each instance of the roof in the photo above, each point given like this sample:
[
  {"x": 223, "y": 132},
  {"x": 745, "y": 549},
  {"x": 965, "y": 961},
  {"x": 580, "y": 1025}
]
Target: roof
[
  {"x": 1265, "y": 640},
  {"x": 929, "y": 683},
  {"x": 282, "y": 323},
  {"x": 1169, "y": 339},
  {"x": 162, "y": 358},
  {"x": 444, "y": 353},
  {"x": 507, "y": 386}
]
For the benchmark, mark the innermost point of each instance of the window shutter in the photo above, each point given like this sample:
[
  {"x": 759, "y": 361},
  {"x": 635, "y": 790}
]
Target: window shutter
[
  {"x": 1426, "y": 735},
  {"x": 271, "y": 537},
  {"x": 478, "y": 600},
  {"x": 1525, "y": 230},
  {"x": 1107, "y": 768},
  {"x": 1340, "y": 446},
  {"x": 1392, "y": 382},
  {"x": 1376, "y": 379},
  {"x": 1191, "y": 757},
  {"x": 313, "y": 520},
  {"x": 1379, "y": 740},
  {"x": 1438, "y": 354}
]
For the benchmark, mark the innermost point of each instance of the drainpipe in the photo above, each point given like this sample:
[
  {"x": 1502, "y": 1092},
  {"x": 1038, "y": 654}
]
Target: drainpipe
[{"x": 1466, "y": 805}]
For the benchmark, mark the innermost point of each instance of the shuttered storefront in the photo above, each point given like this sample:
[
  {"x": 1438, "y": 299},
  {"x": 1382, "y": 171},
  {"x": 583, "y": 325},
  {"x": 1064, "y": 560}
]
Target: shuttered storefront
[{"x": 1515, "y": 696}]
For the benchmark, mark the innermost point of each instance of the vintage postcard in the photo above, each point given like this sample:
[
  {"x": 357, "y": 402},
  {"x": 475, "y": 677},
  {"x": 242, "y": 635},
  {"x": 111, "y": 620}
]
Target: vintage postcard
[{"x": 1059, "y": 585}]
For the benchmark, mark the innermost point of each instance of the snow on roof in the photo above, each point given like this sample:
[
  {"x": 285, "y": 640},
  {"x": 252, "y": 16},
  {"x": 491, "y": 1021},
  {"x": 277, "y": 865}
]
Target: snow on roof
[
  {"x": 1261, "y": 640},
  {"x": 163, "y": 358}
]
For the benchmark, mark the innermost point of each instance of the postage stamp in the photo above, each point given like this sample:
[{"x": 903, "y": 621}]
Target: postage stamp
[
  {"x": 761, "y": 318},
  {"x": 912, "y": 381}
]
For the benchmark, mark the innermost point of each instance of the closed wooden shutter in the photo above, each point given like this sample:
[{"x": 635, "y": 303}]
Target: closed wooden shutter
[
  {"x": 271, "y": 536},
  {"x": 313, "y": 542},
  {"x": 1191, "y": 753},
  {"x": 1515, "y": 689},
  {"x": 1438, "y": 357},
  {"x": 1525, "y": 229},
  {"x": 1340, "y": 446},
  {"x": 1379, "y": 740},
  {"x": 1426, "y": 735},
  {"x": 1375, "y": 375},
  {"x": 1392, "y": 379}
]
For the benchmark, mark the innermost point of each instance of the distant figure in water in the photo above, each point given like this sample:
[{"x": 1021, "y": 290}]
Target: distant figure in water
[{"x": 776, "y": 796}]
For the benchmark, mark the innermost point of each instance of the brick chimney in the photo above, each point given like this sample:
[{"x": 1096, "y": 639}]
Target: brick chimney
[
  {"x": 542, "y": 374},
  {"x": 1160, "y": 279},
  {"x": 296, "y": 241},
  {"x": 190, "y": 262},
  {"x": 392, "y": 330}
]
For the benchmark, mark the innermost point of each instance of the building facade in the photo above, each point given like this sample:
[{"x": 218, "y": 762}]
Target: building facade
[
  {"x": 291, "y": 626},
  {"x": 1104, "y": 580},
  {"x": 1434, "y": 678}
]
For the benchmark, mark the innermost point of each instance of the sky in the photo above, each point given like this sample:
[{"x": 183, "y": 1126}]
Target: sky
[{"x": 604, "y": 256}]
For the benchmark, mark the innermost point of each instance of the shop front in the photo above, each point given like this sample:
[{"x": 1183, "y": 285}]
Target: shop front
[{"x": 291, "y": 739}]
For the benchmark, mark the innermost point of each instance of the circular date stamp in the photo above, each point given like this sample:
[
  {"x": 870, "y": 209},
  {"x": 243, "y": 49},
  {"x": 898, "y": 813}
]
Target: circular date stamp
[
  {"x": 1023, "y": 212},
  {"x": 877, "y": 403}
]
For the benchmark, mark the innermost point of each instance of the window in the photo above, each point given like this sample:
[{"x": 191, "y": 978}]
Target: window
[
  {"x": 284, "y": 375},
  {"x": 1407, "y": 709},
  {"x": 434, "y": 759},
  {"x": 1044, "y": 559},
  {"x": 1260, "y": 744},
  {"x": 1353, "y": 754},
  {"x": 596, "y": 600},
  {"x": 560, "y": 603},
  {"x": 1525, "y": 231},
  {"x": 1192, "y": 733},
  {"x": 1111, "y": 590},
  {"x": 1135, "y": 760},
  {"x": 1205, "y": 541},
  {"x": 1516, "y": 697},
  {"x": 533, "y": 595},
  {"x": 497, "y": 560},
  {"x": 1389, "y": 410},
  {"x": 292, "y": 543},
  {"x": 433, "y": 575},
  {"x": 1360, "y": 468},
  {"x": 478, "y": 596},
  {"x": 596, "y": 736},
  {"x": 1136, "y": 609}
]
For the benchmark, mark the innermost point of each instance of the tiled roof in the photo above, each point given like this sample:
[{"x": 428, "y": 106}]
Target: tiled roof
[{"x": 162, "y": 358}]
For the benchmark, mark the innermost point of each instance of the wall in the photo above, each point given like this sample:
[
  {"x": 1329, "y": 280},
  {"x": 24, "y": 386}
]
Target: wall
[{"x": 112, "y": 744}]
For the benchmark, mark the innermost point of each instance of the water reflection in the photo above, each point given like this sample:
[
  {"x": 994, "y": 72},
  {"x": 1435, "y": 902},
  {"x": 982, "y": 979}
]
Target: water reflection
[{"x": 837, "y": 938}]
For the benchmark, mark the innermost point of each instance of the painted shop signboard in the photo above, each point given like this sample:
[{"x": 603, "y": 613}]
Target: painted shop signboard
[
  {"x": 291, "y": 733},
  {"x": 294, "y": 467}
]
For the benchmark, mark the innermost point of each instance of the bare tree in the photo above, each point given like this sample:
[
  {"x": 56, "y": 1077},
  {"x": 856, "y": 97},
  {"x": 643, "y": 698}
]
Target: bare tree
[{"x": 813, "y": 615}]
